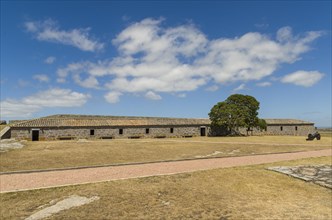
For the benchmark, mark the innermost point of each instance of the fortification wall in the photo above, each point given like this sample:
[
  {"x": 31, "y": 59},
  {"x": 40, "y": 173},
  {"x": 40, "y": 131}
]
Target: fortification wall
[
  {"x": 296, "y": 130},
  {"x": 293, "y": 130},
  {"x": 153, "y": 132},
  {"x": 107, "y": 132}
]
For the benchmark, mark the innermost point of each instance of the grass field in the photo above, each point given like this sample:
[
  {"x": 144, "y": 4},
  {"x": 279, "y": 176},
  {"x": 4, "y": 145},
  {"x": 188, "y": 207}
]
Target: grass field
[
  {"x": 250, "y": 192},
  {"x": 325, "y": 132},
  {"x": 61, "y": 154}
]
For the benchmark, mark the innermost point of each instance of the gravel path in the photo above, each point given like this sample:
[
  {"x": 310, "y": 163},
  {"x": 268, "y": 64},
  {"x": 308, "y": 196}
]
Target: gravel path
[{"x": 28, "y": 181}]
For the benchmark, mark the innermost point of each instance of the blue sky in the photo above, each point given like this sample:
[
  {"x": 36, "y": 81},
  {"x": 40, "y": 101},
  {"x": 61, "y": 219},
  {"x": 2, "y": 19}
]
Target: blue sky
[{"x": 170, "y": 59}]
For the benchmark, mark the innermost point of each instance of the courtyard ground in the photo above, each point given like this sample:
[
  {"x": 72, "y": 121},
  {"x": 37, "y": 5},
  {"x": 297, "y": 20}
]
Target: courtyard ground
[
  {"x": 46, "y": 179},
  {"x": 64, "y": 154},
  {"x": 250, "y": 192}
]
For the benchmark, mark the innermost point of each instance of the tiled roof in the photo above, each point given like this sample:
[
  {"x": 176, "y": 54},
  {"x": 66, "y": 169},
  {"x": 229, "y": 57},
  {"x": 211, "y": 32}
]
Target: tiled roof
[
  {"x": 101, "y": 121},
  {"x": 106, "y": 121},
  {"x": 287, "y": 122}
]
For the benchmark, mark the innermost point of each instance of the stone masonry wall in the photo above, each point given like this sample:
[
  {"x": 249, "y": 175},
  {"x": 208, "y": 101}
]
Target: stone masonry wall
[
  {"x": 294, "y": 130},
  {"x": 107, "y": 132},
  {"x": 21, "y": 134},
  {"x": 154, "y": 132}
]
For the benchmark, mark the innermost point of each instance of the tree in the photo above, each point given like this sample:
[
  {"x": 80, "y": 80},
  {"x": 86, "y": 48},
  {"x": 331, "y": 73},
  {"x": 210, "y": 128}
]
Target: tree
[
  {"x": 261, "y": 124},
  {"x": 235, "y": 112}
]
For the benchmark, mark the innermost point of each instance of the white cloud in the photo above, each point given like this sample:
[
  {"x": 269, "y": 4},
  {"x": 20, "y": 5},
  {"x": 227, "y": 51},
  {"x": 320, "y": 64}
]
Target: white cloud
[
  {"x": 93, "y": 70},
  {"x": 61, "y": 80},
  {"x": 153, "y": 96},
  {"x": 240, "y": 87},
  {"x": 303, "y": 78},
  {"x": 182, "y": 95},
  {"x": 284, "y": 34},
  {"x": 212, "y": 88},
  {"x": 41, "y": 78},
  {"x": 13, "y": 108},
  {"x": 31, "y": 26},
  {"x": 49, "y": 30},
  {"x": 264, "y": 84},
  {"x": 50, "y": 60},
  {"x": 90, "y": 82},
  {"x": 113, "y": 97},
  {"x": 154, "y": 58},
  {"x": 44, "y": 99}
]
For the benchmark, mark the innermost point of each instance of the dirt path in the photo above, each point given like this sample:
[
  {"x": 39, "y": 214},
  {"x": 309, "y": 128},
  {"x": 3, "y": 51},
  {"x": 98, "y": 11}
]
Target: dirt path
[{"x": 28, "y": 181}]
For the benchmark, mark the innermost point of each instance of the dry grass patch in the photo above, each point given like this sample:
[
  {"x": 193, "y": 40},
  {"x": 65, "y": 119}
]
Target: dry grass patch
[
  {"x": 250, "y": 192},
  {"x": 61, "y": 154},
  {"x": 2, "y": 127},
  {"x": 325, "y": 132}
]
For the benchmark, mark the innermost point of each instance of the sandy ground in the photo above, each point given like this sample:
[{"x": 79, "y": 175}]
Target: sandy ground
[{"x": 28, "y": 181}]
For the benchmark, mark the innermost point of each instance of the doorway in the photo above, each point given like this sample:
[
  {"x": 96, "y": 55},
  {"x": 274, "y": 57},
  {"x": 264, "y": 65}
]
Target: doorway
[
  {"x": 35, "y": 135},
  {"x": 203, "y": 131}
]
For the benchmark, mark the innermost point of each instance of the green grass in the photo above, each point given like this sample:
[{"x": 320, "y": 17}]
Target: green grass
[
  {"x": 250, "y": 192},
  {"x": 61, "y": 154}
]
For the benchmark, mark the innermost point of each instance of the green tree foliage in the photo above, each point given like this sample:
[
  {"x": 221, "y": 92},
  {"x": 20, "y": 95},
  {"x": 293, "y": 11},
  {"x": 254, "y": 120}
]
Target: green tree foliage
[
  {"x": 261, "y": 124},
  {"x": 235, "y": 112}
]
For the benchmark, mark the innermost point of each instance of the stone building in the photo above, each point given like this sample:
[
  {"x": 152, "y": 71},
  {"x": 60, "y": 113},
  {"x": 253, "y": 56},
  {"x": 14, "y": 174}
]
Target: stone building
[
  {"x": 283, "y": 127},
  {"x": 66, "y": 127},
  {"x": 288, "y": 127}
]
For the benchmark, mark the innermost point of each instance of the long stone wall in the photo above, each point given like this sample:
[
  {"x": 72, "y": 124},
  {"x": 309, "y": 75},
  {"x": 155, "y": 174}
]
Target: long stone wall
[
  {"x": 294, "y": 130},
  {"x": 108, "y": 132},
  {"x": 153, "y": 132}
]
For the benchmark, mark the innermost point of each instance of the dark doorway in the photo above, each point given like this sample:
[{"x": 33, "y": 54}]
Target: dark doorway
[
  {"x": 203, "y": 131},
  {"x": 35, "y": 135}
]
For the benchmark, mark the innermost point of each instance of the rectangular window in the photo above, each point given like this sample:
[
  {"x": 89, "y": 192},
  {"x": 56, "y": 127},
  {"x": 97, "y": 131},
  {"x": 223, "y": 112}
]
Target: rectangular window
[
  {"x": 295, "y": 128},
  {"x": 147, "y": 131},
  {"x": 120, "y": 131},
  {"x": 92, "y": 132},
  {"x": 281, "y": 128},
  {"x": 172, "y": 130}
]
